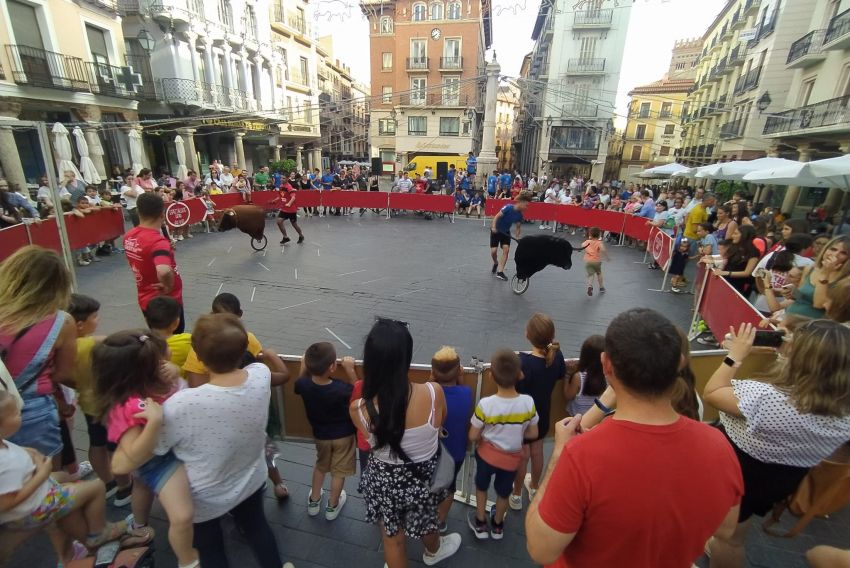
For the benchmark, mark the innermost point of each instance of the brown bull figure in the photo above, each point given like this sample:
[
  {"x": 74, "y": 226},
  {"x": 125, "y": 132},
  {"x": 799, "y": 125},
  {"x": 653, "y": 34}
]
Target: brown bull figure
[{"x": 250, "y": 219}]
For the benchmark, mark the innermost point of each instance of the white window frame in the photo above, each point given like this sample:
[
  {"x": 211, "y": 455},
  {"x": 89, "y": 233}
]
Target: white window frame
[
  {"x": 418, "y": 94},
  {"x": 390, "y": 127},
  {"x": 387, "y": 94},
  {"x": 419, "y": 12},
  {"x": 453, "y": 10},
  {"x": 446, "y": 132},
  {"x": 418, "y": 118},
  {"x": 451, "y": 90},
  {"x": 386, "y": 26},
  {"x": 384, "y": 66},
  {"x": 431, "y": 12}
]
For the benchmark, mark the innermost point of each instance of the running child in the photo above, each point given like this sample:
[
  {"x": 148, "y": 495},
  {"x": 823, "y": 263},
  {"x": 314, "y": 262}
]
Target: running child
[
  {"x": 541, "y": 369},
  {"x": 499, "y": 424},
  {"x": 447, "y": 371},
  {"x": 326, "y": 401},
  {"x": 132, "y": 380},
  {"x": 500, "y": 232},
  {"x": 288, "y": 212},
  {"x": 30, "y": 499},
  {"x": 594, "y": 252}
]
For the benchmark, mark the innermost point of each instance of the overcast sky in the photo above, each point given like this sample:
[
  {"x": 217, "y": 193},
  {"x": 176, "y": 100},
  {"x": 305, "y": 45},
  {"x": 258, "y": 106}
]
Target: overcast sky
[{"x": 655, "y": 26}]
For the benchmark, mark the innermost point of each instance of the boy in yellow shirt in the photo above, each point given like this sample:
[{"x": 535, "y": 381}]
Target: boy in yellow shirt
[{"x": 163, "y": 317}]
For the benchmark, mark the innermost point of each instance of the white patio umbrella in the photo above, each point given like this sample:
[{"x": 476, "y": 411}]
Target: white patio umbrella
[
  {"x": 665, "y": 171},
  {"x": 135, "y": 150},
  {"x": 182, "y": 170},
  {"x": 832, "y": 172},
  {"x": 62, "y": 147},
  {"x": 686, "y": 173},
  {"x": 87, "y": 168},
  {"x": 735, "y": 171},
  {"x": 714, "y": 171}
]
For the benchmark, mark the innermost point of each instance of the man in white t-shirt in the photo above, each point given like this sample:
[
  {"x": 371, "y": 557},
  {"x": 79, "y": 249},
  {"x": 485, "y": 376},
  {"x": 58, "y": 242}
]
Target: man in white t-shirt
[
  {"x": 549, "y": 196},
  {"x": 129, "y": 193}
]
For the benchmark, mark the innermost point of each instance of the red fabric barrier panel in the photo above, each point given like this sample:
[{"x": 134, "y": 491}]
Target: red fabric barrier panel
[
  {"x": 422, "y": 202},
  {"x": 307, "y": 198},
  {"x": 636, "y": 227},
  {"x": 46, "y": 234},
  {"x": 226, "y": 200},
  {"x": 541, "y": 211},
  {"x": 367, "y": 199},
  {"x": 722, "y": 306},
  {"x": 578, "y": 216},
  {"x": 197, "y": 210},
  {"x": 102, "y": 225},
  {"x": 661, "y": 247},
  {"x": 493, "y": 206},
  {"x": 13, "y": 238}
]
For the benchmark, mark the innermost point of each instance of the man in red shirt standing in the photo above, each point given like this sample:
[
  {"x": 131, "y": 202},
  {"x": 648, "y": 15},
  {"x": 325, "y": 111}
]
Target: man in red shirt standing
[
  {"x": 288, "y": 211},
  {"x": 151, "y": 257},
  {"x": 645, "y": 488}
]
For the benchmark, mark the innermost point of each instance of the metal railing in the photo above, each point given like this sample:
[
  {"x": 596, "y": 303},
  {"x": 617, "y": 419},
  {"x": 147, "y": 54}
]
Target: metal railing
[
  {"x": 809, "y": 44},
  {"x": 594, "y": 65},
  {"x": 181, "y": 8},
  {"x": 417, "y": 63},
  {"x": 451, "y": 62},
  {"x": 114, "y": 81},
  {"x": 833, "y": 112},
  {"x": 738, "y": 55},
  {"x": 199, "y": 93},
  {"x": 839, "y": 26},
  {"x": 731, "y": 129},
  {"x": 750, "y": 5},
  {"x": 597, "y": 17},
  {"x": 748, "y": 82},
  {"x": 42, "y": 68},
  {"x": 764, "y": 30}
]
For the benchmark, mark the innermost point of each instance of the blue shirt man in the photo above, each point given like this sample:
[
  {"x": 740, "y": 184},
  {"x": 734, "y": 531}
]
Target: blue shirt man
[
  {"x": 510, "y": 217},
  {"x": 472, "y": 164},
  {"x": 18, "y": 200},
  {"x": 505, "y": 180},
  {"x": 277, "y": 178},
  {"x": 464, "y": 183},
  {"x": 450, "y": 177},
  {"x": 647, "y": 210},
  {"x": 491, "y": 184},
  {"x": 327, "y": 180}
]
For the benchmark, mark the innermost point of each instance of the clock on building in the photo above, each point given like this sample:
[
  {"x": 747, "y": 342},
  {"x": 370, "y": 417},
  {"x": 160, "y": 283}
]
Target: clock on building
[{"x": 435, "y": 33}]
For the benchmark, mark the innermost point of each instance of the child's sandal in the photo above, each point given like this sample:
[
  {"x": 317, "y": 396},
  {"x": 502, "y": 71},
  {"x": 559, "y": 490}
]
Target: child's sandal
[{"x": 112, "y": 531}]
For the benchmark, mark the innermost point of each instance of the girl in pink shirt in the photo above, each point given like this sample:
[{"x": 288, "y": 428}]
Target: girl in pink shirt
[
  {"x": 594, "y": 250},
  {"x": 133, "y": 378}
]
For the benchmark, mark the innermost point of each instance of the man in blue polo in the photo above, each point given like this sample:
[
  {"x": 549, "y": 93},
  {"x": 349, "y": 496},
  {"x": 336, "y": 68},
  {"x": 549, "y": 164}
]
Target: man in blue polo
[
  {"x": 492, "y": 182},
  {"x": 471, "y": 167},
  {"x": 500, "y": 232}
]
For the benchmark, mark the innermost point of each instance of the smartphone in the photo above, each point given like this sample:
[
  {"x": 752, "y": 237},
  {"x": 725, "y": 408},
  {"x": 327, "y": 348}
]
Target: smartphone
[{"x": 769, "y": 338}]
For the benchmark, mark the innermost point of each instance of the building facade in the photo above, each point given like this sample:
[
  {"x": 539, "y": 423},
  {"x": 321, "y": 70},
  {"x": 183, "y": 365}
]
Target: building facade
[
  {"x": 507, "y": 104},
  {"x": 427, "y": 77},
  {"x": 569, "y": 93},
  {"x": 653, "y": 132},
  {"x": 344, "y": 114},
  {"x": 816, "y": 122},
  {"x": 63, "y": 62},
  {"x": 235, "y": 79},
  {"x": 741, "y": 74}
]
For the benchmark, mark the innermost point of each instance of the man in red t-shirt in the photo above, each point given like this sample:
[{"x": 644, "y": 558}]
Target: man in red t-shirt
[
  {"x": 151, "y": 257},
  {"x": 646, "y": 487},
  {"x": 288, "y": 212}
]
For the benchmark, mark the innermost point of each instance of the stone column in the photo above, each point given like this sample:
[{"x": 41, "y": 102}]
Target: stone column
[
  {"x": 487, "y": 157},
  {"x": 792, "y": 193},
  {"x": 192, "y": 40},
  {"x": 317, "y": 158},
  {"x": 299, "y": 164},
  {"x": 95, "y": 150},
  {"x": 240, "y": 150},
  {"x": 10, "y": 158},
  {"x": 258, "y": 81},
  {"x": 188, "y": 136},
  {"x": 243, "y": 72},
  {"x": 208, "y": 58},
  {"x": 276, "y": 152},
  {"x": 310, "y": 165},
  {"x": 228, "y": 66}
]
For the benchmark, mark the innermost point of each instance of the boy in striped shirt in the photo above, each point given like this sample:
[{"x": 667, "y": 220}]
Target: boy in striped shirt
[{"x": 499, "y": 425}]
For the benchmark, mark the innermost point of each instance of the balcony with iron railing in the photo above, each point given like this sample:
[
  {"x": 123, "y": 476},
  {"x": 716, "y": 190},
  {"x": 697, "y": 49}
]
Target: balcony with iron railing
[
  {"x": 806, "y": 51},
  {"x": 750, "y": 6},
  {"x": 294, "y": 76},
  {"x": 417, "y": 64},
  {"x": 736, "y": 21},
  {"x": 588, "y": 66},
  {"x": 446, "y": 99},
  {"x": 737, "y": 56},
  {"x": 293, "y": 21},
  {"x": 593, "y": 18},
  {"x": 748, "y": 82},
  {"x": 731, "y": 129},
  {"x": 838, "y": 32},
  {"x": 764, "y": 30},
  {"x": 177, "y": 10},
  {"x": 451, "y": 63},
  {"x": 579, "y": 111},
  {"x": 832, "y": 115},
  {"x": 205, "y": 95}
]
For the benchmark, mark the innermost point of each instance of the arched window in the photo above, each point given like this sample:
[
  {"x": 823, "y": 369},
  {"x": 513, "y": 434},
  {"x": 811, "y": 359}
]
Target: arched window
[
  {"x": 419, "y": 12},
  {"x": 437, "y": 11},
  {"x": 453, "y": 11},
  {"x": 386, "y": 25}
]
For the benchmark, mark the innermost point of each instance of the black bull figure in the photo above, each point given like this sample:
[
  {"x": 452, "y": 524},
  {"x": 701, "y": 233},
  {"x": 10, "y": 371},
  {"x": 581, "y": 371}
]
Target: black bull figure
[
  {"x": 536, "y": 252},
  {"x": 250, "y": 219}
]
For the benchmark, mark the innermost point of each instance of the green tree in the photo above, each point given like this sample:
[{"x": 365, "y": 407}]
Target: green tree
[{"x": 282, "y": 166}]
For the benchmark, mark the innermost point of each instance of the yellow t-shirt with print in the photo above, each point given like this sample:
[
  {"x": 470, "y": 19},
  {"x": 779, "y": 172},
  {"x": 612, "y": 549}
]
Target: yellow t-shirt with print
[
  {"x": 180, "y": 344},
  {"x": 83, "y": 375},
  {"x": 194, "y": 365}
]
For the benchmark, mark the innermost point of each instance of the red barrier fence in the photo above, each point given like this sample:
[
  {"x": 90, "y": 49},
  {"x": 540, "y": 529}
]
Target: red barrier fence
[
  {"x": 661, "y": 246},
  {"x": 721, "y": 306}
]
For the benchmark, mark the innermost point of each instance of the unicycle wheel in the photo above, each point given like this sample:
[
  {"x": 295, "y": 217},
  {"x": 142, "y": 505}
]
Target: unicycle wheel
[
  {"x": 259, "y": 244},
  {"x": 519, "y": 285}
]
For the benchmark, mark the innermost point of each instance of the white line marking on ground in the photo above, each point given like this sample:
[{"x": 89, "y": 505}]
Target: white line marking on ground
[
  {"x": 264, "y": 266},
  {"x": 408, "y": 292},
  {"x": 211, "y": 262},
  {"x": 296, "y": 305},
  {"x": 296, "y": 274},
  {"x": 318, "y": 252},
  {"x": 254, "y": 291},
  {"x": 264, "y": 252},
  {"x": 220, "y": 286},
  {"x": 375, "y": 280},
  {"x": 230, "y": 249},
  {"x": 338, "y": 338},
  {"x": 350, "y": 273}
]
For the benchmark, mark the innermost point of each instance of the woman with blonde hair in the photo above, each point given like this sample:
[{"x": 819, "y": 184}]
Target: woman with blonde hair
[
  {"x": 781, "y": 427},
  {"x": 38, "y": 340},
  {"x": 830, "y": 267},
  {"x": 541, "y": 369}
]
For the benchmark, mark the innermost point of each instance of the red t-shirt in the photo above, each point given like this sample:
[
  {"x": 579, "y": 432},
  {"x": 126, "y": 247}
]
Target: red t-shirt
[
  {"x": 145, "y": 250},
  {"x": 641, "y": 496},
  {"x": 286, "y": 193}
]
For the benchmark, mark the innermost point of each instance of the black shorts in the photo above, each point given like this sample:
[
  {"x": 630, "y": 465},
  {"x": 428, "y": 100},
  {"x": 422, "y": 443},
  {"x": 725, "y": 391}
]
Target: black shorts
[
  {"x": 499, "y": 240},
  {"x": 97, "y": 434},
  {"x": 287, "y": 216}
]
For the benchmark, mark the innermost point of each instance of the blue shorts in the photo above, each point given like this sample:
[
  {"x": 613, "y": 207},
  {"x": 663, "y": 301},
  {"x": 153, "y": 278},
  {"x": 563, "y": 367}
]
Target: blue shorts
[
  {"x": 39, "y": 426},
  {"x": 157, "y": 471},
  {"x": 503, "y": 483}
]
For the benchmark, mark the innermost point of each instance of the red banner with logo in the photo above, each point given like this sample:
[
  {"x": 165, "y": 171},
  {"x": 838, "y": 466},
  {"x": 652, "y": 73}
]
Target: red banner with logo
[
  {"x": 660, "y": 246},
  {"x": 722, "y": 307},
  {"x": 422, "y": 202}
]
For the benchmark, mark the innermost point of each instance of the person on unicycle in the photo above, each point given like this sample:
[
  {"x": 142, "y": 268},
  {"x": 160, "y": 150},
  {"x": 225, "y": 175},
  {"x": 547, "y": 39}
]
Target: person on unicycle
[{"x": 500, "y": 232}]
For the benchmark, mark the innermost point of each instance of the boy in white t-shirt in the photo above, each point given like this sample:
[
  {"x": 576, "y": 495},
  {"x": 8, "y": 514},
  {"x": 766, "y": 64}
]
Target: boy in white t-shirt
[
  {"x": 31, "y": 499},
  {"x": 499, "y": 425}
]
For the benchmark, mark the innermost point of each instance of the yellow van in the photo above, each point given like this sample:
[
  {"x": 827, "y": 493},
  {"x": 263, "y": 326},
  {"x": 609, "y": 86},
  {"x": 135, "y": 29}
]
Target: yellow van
[{"x": 439, "y": 164}]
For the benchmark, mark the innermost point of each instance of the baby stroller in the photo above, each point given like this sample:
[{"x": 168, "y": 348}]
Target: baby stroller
[{"x": 536, "y": 252}]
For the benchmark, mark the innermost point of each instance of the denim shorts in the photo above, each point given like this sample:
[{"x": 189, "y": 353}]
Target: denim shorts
[
  {"x": 39, "y": 426},
  {"x": 157, "y": 471},
  {"x": 503, "y": 483}
]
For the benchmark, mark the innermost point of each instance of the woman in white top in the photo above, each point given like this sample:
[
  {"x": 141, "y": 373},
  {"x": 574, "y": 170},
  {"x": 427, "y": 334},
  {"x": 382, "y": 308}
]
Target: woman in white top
[
  {"x": 782, "y": 427},
  {"x": 402, "y": 422}
]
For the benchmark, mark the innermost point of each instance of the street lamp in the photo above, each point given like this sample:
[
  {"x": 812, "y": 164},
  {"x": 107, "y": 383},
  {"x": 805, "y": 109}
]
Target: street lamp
[
  {"x": 145, "y": 40},
  {"x": 763, "y": 102}
]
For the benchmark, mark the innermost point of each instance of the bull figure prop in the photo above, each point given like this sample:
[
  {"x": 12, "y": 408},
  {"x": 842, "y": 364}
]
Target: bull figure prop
[
  {"x": 250, "y": 219},
  {"x": 536, "y": 252}
]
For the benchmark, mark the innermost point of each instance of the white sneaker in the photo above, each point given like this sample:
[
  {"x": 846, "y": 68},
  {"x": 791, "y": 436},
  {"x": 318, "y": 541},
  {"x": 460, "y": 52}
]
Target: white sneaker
[
  {"x": 449, "y": 544},
  {"x": 332, "y": 513},
  {"x": 527, "y": 483},
  {"x": 515, "y": 502},
  {"x": 179, "y": 237},
  {"x": 542, "y": 227},
  {"x": 189, "y": 235},
  {"x": 84, "y": 469},
  {"x": 313, "y": 507}
]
